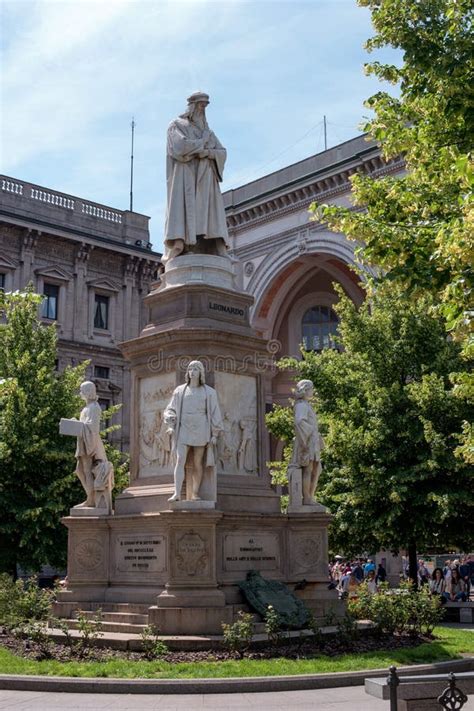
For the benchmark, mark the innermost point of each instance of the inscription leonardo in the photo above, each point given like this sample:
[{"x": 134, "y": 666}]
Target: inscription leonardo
[{"x": 224, "y": 308}]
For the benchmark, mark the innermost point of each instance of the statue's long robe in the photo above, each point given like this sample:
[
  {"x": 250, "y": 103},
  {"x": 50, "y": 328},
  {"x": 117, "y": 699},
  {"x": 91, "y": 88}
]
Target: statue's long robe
[
  {"x": 90, "y": 447},
  {"x": 195, "y": 203}
]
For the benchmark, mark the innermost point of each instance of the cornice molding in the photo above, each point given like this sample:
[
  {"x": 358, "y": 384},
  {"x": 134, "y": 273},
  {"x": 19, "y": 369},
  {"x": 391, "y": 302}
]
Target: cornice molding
[{"x": 299, "y": 198}]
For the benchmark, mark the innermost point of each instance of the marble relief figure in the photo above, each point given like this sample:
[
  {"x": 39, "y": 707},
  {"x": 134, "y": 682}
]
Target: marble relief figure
[
  {"x": 195, "y": 217},
  {"x": 194, "y": 423},
  {"x": 307, "y": 443},
  {"x": 247, "y": 455}
]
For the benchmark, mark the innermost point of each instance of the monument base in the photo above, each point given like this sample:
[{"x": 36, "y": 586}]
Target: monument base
[
  {"x": 88, "y": 511},
  {"x": 191, "y": 505},
  {"x": 190, "y": 620},
  {"x": 184, "y": 567},
  {"x": 203, "y": 597}
]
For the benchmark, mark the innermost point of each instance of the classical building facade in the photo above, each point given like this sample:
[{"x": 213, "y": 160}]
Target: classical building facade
[
  {"x": 93, "y": 264},
  {"x": 289, "y": 263}
]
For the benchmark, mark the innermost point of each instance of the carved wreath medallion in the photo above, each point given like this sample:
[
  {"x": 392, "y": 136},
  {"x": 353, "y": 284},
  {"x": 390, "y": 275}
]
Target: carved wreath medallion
[
  {"x": 88, "y": 554},
  {"x": 307, "y": 551}
]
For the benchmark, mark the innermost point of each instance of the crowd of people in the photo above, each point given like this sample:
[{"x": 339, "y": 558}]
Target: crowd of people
[
  {"x": 453, "y": 582},
  {"x": 346, "y": 576}
]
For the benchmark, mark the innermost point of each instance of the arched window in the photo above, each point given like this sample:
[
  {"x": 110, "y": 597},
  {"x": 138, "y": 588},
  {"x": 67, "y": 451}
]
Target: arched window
[{"x": 318, "y": 327}]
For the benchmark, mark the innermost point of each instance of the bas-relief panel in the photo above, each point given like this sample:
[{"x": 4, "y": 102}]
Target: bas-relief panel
[
  {"x": 237, "y": 443},
  {"x": 155, "y": 443}
]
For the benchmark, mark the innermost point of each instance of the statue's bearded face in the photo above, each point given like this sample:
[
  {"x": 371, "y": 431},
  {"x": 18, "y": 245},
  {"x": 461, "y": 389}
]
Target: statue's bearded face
[{"x": 198, "y": 113}]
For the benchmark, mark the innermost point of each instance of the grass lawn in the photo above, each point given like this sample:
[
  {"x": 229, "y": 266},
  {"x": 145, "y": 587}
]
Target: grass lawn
[{"x": 449, "y": 644}]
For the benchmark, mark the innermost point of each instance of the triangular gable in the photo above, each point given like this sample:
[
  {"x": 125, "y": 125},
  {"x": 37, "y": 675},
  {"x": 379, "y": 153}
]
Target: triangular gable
[
  {"x": 6, "y": 263},
  {"x": 104, "y": 284},
  {"x": 53, "y": 272}
]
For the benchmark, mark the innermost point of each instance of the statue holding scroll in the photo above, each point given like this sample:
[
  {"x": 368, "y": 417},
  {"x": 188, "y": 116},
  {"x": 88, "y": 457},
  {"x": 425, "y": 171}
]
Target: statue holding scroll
[{"x": 93, "y": 469}]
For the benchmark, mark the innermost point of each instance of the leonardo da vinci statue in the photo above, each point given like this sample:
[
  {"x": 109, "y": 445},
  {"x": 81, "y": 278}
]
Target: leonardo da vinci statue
[{"x": 195, "y": 217}]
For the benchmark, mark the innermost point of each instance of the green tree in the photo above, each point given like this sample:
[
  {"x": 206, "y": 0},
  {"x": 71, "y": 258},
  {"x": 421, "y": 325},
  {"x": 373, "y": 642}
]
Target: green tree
[
  {"x": 388, "y": 411},
  {"x": 37, "y": 480},
  {"x": 419, "y": 228}
]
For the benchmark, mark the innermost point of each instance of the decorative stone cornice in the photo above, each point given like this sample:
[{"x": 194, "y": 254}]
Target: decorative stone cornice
[{"x": 301, "y": 196}]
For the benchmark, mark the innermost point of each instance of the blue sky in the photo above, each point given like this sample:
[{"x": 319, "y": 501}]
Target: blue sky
[{"x": 75, "y": 71}]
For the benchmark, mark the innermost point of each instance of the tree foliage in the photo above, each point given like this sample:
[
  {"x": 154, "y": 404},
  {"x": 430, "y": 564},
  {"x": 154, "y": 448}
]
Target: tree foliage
[
  {"x": 37, "y": 481},
  {"x": 390, "y": 415},
  {"x": 419, "y": 227}
]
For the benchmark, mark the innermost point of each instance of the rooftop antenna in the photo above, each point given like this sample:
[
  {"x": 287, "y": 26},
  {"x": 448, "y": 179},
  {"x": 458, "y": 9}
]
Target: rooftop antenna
[
  {"x": 131, "y": 165},
  {"x": 325, "y": 134}
]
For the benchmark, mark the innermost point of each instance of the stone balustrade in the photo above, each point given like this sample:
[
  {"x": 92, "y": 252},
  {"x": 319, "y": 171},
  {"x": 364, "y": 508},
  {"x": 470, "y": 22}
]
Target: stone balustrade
[{"x": 52, "y": 208}]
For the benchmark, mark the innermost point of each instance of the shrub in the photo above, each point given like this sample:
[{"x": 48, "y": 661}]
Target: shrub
[
  {"x": 402, "y": 610},
  {"x": 36, "y": 631},
  {"x": 23, "y": 601},
  {"x": 153, "y": 647},
  {"x": 90, "y": 629},
  {"x": 238, "y": 636},
  {"x": 273, "y": 626}
]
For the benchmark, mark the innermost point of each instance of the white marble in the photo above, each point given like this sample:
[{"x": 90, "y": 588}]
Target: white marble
[
  {"x": 209, "y": 269},
  {"x": 237, "y": 442},
  {"x": 305, "y": 466},
  {"x": 93, "y": 469},
  {"x": 154, "y": 440},
  {"x": 194, "y": 422},
  {"x": 194, "y": 168}
]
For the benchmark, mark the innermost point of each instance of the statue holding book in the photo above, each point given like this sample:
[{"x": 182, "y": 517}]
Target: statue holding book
[{"x": 93, "y": 469}]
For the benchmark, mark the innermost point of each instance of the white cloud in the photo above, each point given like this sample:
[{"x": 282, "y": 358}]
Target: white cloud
[{"x": 74, "y": 72}]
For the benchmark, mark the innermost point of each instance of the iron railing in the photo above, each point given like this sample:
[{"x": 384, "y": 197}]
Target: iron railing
[{"x": 452, "y": 698}]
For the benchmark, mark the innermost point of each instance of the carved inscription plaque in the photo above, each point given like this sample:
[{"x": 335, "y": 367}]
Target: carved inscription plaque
[
  {"x": 192, "y": 555},
  {"x": 253, "y": 551},
  {"x": 141, "y": 553}
]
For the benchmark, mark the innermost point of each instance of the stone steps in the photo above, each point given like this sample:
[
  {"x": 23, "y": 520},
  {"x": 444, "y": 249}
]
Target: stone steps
[
  {"x": 134, "y": 618},
  {"x": 110, "y": 626}
]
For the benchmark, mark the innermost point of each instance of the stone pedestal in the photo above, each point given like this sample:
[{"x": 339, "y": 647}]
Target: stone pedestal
[
  {"x": 295, "y": 486},
  {"x": 185, "y": 559}
]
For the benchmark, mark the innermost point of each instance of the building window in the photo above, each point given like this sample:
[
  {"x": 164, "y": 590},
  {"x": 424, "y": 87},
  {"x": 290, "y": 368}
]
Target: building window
[
  {"x": 100, "y": 371},
  {"x": 49, "y": 308},
  {"x": 104, "y": 405},
  {"x": 319, "y": 326},
  {"x": 2, "y": 281},
  {"x": 101, "y": 311}
]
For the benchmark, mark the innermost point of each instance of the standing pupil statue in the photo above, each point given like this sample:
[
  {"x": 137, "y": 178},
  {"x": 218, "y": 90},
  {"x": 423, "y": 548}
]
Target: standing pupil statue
[
  {"x": 307, "y": 443},
  {"x": 195, "y": 218},
  {"x": 93, "y": 469},
  {"x": 194, "y": 422}
]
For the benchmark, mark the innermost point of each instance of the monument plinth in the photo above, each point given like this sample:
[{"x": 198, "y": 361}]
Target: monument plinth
[{"x": 199, "y": 512}]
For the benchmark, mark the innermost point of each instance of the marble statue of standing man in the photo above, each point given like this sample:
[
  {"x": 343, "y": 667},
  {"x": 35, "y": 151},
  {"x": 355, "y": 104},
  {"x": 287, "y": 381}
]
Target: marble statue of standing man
[
  {"x": 308, "y": 442},
  {"x": 194, "y": 421},
  {"x": 195, "y": 217},
  {"x": 93, "y": 469}
]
